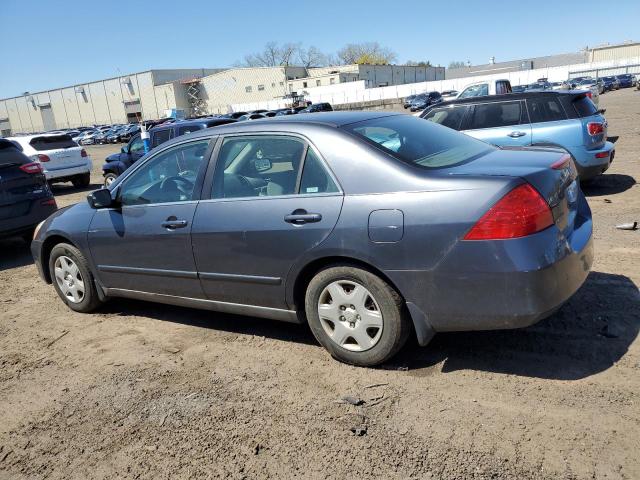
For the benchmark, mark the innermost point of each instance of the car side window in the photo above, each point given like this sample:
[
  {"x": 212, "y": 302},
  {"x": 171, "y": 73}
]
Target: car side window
[
  {"x": 258, "y": 166},
  {"x": 491, "y": 115},
  {"x": 448, "y": 116},
  {"x": 475, "y": 91},
  {"x": 545, "y": 110},
  {"x": 161, "y": 136},
  {"x": 315, "y": 178},
  {"x": 169, "y": 176},
  {"x": 137, "y": 146}
]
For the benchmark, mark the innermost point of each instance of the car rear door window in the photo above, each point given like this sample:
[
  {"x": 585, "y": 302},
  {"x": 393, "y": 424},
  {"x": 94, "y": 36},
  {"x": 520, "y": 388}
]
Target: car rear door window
[
  {"x": 169, "y": 176},
  {"x": 161, "y": 136},
  {"x": 496, "y": 114},
  {"x": 448, "y": 116},
  {"x": 315, "y": 178},
  {"x": 545, "y": 109},
  {"x": 52, "y": 142}
]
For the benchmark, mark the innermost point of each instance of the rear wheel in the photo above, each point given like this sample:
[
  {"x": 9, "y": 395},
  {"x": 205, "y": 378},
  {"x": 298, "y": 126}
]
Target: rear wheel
[
  {"x": 358, "y": 317},
  {"x": 72, "y": 278},
  {"x": 81, "y": 181}
]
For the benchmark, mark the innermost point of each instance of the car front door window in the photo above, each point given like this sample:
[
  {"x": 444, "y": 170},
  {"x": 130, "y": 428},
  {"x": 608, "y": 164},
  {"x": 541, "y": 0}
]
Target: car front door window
[
  {"x": 137, "y": 146},
  {"x": 170, "y": 176}
]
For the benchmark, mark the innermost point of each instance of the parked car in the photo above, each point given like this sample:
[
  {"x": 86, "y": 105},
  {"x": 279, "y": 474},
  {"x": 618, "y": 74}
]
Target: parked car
[
  {"x": 610, "y": 83},
  {"x": 280, "y": 228},
  {"x": 117, "y": 163},
  {"x": 449, "y": 94},
  {"x": 115, "y": 135},
  {"x": 423, "y": 100},
  {"x": 88, "y": 137},
  {"x": 285, "y": 111},
  {"x": 61, "y": 159},
  {"x": 25, "y": 196},
  {"x": 568, "y": 120},
  {"x": 626, "y": 80},
  {"x": 251, "y": 116},
  {"x": 519, "y": 88},
  {"x": 131, "y": 130},
  {"x": 407, "y": 101},
  {"x": 318, "y": 107},
  {"x": 591, "y": 86},
  {"x": 539, "y": 86},
  {"x": 479, "y": 89}
]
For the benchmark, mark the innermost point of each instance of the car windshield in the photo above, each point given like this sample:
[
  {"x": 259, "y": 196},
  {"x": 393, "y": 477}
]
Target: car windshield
[{"x": 418, "y": 142}]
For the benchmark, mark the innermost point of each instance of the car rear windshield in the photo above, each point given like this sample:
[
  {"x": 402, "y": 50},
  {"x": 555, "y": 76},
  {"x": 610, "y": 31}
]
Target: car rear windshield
[
  {"x": 419, "y": 142},
  {"x": 11, "y": 154},
  {"x": 52, "y": 142},
  {"x": 584, "y": 106}
]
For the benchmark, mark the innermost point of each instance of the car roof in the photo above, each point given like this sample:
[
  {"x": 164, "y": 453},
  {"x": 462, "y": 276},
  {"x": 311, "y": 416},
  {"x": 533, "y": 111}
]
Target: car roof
[{"x": 510, "y": 96}]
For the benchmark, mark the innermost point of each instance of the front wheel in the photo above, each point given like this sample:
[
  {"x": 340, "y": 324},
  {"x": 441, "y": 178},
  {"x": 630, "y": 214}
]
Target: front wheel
[
  {"x": 358, "y": 317},
  {"x": 72, "y": 278},
  {"x": 109, "y": 178}
]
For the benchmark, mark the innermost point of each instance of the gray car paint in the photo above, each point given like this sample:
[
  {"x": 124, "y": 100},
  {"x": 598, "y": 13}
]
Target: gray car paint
[{"x": 248, "y": 260}]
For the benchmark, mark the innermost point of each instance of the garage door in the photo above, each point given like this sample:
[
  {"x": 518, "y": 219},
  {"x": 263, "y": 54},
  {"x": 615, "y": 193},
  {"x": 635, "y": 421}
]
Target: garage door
[{"x": 48, "y": 121}]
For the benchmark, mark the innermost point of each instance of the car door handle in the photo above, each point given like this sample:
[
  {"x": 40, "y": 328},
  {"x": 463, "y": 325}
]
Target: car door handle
[
  {"x": 300, "y": 217},
  {"x": 173, "y": 224},
  {"x": 516, "y": 134}
]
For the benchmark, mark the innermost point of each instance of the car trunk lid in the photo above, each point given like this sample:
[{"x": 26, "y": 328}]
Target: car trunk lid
[{"x": 57, "y": 152}]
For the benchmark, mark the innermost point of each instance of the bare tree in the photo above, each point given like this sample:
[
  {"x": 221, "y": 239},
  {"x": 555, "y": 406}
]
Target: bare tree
[
  {"x": 421, "y": 63},
  {"x": 312, "y": 57},
  {"x": 273, "y": 55},
  {"x": 367, "y": 52},
  {"x": 457, "y": 64}
]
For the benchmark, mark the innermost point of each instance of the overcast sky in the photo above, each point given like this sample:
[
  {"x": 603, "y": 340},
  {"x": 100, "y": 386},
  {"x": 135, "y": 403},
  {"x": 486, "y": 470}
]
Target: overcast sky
[{"x": 51, "y": 44}]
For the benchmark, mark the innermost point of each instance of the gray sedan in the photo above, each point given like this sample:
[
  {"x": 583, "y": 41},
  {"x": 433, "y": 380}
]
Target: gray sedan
[{"x": 369, "y": 227}]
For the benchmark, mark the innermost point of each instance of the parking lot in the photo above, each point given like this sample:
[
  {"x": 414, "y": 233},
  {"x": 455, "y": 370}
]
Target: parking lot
[{"x": 141, "y": 389}]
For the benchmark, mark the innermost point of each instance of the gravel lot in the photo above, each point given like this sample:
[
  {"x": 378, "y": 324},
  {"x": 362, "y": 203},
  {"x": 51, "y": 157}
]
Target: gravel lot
[{"x": 146, "y": 391}]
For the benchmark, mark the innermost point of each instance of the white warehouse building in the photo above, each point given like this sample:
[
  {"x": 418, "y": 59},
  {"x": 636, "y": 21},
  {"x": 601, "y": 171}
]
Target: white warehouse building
[{"x": 148, "y": 95}]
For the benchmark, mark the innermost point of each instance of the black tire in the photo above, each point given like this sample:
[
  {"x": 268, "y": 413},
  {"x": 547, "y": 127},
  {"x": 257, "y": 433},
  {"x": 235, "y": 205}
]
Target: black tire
[
  {"x": 109, "y": 178},
  {"x": 81, "y": 181},
  {"x": 90, "y": 300},
  {"x": 396, "y": 323}
]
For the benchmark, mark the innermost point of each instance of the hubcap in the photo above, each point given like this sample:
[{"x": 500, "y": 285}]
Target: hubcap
[
  {"x": 108, "y": 181},
  {"x": 350, "y": 316},
  {"x": 69, "y": 279}
]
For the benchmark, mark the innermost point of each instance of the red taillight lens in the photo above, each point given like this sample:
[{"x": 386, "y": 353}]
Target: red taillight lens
[
  {"x": 43, "y": 158},
  {"x": 595, "y": 128},
  {"x": 602, "y": 154},
  {"x": 51, "y": 202},
  {"x": 519, "y": 213},
  {"x": 31, "y": 168},
  {"x": 589, "y": 94},
  {"x": 83, "y": 153}
]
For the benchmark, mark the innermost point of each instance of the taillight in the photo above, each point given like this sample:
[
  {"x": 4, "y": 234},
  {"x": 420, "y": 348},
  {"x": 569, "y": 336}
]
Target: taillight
[
  {"x": 589, "y": 94},
  {"x": 43, "y": 158},
  {"x": 83, "y": 153},
  {"x": 50, "y": 202},
  {"x": 519, "y": 213},
  {"x": 31, "y": 168},
  {"x": 595, "y": 128}
]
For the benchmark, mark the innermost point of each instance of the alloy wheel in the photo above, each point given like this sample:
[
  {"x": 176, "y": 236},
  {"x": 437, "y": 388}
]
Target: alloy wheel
[{"x": 69, "y": 279}]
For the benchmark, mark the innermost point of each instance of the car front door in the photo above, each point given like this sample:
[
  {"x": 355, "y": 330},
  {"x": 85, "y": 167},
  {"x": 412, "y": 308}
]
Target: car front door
[
  {"x": 503, "y": 123},
  {"x": 272, "y": 199},
  {"x": 145, "y": 243}
]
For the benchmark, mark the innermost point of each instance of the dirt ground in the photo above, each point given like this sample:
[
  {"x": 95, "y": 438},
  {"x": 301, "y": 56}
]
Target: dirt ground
[{"x": 146, "y": 391}]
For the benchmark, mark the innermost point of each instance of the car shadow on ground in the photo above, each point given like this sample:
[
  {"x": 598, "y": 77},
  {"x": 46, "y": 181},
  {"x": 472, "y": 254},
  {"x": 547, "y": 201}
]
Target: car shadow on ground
[
  {"x": 14, "y": 253},
  {"x": 229, "y": 323},
  {"x": 592, "y": 332},
  {"x": 608, "y": 184}
]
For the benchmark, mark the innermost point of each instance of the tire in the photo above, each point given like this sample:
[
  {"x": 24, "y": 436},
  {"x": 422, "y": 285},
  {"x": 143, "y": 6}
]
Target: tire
[
  {"x": 382, "y": 304},
  {"x": 109, "y": 178},
  {"x": 81, "y": 181},
  {"x": 85, "y": 299}
]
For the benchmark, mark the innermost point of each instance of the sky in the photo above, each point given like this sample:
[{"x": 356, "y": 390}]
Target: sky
[{"x": 56, "y": 43}]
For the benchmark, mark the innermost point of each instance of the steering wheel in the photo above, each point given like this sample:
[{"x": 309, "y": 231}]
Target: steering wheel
[{"x": 177, "y": 180}]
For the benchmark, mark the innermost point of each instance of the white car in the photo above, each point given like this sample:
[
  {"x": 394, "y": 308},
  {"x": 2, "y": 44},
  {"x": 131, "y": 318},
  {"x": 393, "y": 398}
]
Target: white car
[
  {"x": 61, "y": 159},
  {"x": 487, "y": 87}
]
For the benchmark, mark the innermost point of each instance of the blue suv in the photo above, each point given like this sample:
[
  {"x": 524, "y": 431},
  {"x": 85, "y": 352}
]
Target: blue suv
[
  {"x": 568, "y": 120},
  {"x": 116, "y": 164}
]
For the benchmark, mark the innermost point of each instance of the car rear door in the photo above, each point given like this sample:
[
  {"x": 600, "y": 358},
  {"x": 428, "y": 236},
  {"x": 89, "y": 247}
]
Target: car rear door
[
  {"x": 501, "y": 123},
  {"x": 549, "y": 123},
  {"x": 145, "y": 244},
  {"x": 272, "y": 199}
]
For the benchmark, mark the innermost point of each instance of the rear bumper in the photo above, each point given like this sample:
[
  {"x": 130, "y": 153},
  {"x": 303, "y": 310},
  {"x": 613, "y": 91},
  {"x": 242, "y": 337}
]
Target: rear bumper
[
  {"x": 68, "y": 172},
  {"x": 25, "y": 223},
  {"x": 490, "y": 285},
  {"x": 589, "y": 165}
]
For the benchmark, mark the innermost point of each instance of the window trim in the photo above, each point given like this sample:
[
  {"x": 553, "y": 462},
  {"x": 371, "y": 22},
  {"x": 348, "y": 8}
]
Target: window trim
[
  {"x": 207, "y": 189},
  {"x": 197, "y": 188}
]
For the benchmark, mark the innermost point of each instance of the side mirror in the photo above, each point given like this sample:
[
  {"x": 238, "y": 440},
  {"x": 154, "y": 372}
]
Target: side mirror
[{"x": 100, "y": 199}]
